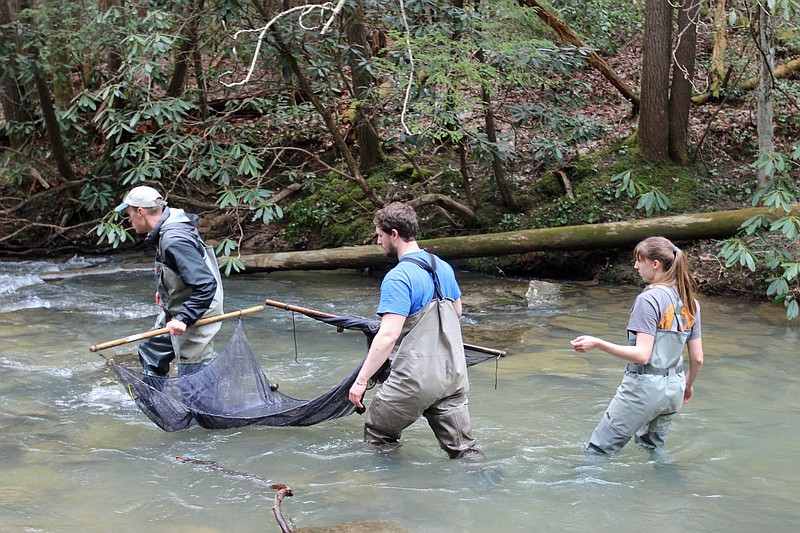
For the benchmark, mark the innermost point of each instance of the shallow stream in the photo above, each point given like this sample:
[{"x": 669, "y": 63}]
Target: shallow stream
[{"x": 77, "y": 455}]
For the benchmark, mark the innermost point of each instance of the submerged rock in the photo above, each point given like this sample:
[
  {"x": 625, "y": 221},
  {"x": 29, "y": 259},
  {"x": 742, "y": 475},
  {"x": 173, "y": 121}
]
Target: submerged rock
[{"x": 542, "y": 293}]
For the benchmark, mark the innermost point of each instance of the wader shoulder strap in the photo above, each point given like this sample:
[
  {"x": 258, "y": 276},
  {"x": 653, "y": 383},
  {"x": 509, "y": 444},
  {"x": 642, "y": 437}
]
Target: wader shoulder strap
[
  {"x": 430, "y": 268},
  {"x": 677, "y": 305}
]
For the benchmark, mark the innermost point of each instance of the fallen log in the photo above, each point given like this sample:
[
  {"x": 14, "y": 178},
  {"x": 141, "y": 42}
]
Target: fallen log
[
  {"x": 780, "y": 71},
  {"x": 716, "y": 225}
]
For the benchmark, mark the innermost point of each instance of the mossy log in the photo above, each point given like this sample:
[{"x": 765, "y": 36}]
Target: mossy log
[{"x": 716, "y": 225}]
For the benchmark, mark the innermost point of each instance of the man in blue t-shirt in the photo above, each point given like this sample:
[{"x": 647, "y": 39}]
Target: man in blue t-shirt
[{"x": 420, "y": 307}]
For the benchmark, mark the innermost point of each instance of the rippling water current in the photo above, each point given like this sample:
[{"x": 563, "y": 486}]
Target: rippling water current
[{"x": 77, "y": 455}]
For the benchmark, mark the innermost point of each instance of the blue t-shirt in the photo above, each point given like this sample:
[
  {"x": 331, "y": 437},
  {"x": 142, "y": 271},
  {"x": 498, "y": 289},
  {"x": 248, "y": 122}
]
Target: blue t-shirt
[{"x": 407, "y": 288}]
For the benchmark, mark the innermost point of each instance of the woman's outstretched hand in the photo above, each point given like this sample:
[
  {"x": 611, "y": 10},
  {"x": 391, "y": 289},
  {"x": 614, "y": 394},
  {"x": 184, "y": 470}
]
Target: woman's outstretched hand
[{"x": 584, "y": 343}]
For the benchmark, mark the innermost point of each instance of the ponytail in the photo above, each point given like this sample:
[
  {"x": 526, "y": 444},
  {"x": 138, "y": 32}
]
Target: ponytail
[{"x": 676, "y": 268}]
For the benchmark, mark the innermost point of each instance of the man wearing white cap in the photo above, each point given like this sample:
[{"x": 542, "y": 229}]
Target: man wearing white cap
[{"x": 188, "y": 284}]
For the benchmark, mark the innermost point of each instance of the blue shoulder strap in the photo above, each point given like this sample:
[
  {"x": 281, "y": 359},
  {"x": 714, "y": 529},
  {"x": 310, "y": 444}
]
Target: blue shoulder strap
[{"x": 430, "y": 268}]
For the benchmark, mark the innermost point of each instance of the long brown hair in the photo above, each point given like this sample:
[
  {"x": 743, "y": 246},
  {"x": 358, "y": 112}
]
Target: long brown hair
[{"x": 676, "y": 269}]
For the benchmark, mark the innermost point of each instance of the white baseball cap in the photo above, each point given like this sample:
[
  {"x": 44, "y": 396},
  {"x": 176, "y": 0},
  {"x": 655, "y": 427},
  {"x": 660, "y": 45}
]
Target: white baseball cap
[{"x": 141, "y": 196}]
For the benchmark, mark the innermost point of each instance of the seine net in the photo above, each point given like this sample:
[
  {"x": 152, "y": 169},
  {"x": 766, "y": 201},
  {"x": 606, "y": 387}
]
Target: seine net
[{"x": 233, "y": 391}]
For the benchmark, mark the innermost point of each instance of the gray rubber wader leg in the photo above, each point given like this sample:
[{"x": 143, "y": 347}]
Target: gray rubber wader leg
[
  {"x": 382, "y": 427},
  {"x": 605, "y": 439},
  {"x": 450, "y": 422},
  {"x": 654, "y": 434}
]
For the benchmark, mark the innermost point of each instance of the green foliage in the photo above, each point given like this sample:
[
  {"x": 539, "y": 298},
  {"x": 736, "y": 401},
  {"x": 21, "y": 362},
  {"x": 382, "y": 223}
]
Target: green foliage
[
  {"x": 227, "y": 262},
  {"x": 772, "y": 243},
  {"x": 509, "y": 221},
  {"x": 334, "y": 214},
  {"x": 159, "y": 140},
  {"x": 466, "y": 59},
  {"x": 255, "y": 199},
  {"x": 616, "y": 184},
  {"x": 13, "y": 171},
  {"x": 651, "y": 198},
  {"x": 602, "y": 22},
  {"x": 736, "y": 251},
  {"x": 111, "y": 230},
  {"x": 97, "y": 195}
]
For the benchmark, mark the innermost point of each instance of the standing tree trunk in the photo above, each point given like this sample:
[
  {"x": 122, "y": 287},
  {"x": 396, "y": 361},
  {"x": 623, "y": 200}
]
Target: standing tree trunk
[
  {"x": 63, "y": 92},
  {"x": 490, "y": 128},
  {"x": 680, "y": 98},
  {"x": 720, "y": 39},
  {"x": 766, "y": 144},
  {"x": 498, "y": 170},
  {"x": 50, "y": 120},
  {"x": 369, "y": 142},
  {"x": 188, "y": 45},
  {"x": 656, "y": 52},
  {"x": 114, "y": 62},
  {"x": 114, "y": 59},
  {"x": 199, "y": 73},
  {"x": 11, "y": 92},
  {"x": 464, "y": 171}
]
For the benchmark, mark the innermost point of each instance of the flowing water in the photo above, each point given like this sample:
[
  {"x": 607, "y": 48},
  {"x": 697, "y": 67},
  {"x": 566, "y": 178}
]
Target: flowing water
[{"x": 77, "y": 455}]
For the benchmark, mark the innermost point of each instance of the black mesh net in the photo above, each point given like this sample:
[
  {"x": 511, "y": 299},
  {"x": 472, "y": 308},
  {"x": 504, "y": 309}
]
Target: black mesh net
[
  {"x": 233, "y": 391},
  {"x": 370, "y": 328}
]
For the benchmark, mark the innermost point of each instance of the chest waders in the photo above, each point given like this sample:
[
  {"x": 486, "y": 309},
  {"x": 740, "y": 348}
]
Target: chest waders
[
  {"x": 650, "y": 395},
  {"x": 428, "y": 378},
  {"x": 194, "y": 348}
]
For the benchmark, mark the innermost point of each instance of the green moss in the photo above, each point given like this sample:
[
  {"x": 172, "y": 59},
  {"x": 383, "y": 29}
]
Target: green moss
[
  {"x": 596, "y": 198},
  {"x": 548, "y": 186},
  {"x": 332, "y": 215}
]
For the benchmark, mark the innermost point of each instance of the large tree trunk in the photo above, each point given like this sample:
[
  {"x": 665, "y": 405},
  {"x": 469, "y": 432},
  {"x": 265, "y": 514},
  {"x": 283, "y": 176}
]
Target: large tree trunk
[
  {"x": 656, "y": 60},
  {"x": 114, "y": 59},
  {"x": 369, "y": 143},
  {"x": 716, "y": 225},
  {"x": 61, "y": 82},
  {"x": 114, "y": 65},
  {"x": 720, "y": 38},
  {"x": 766, "y": 143},
  {"x": 188, "y": 40},
  {"x": 680, "y": 98},
  {"x": 11, "y": 92}
]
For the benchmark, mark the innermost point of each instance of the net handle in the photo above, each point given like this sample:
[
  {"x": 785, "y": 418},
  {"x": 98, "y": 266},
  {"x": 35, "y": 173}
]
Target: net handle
[{"x": 162, "y": 331}]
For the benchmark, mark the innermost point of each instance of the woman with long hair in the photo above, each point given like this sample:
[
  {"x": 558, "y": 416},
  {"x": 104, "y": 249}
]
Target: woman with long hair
[{"x": 664, "y": 318}]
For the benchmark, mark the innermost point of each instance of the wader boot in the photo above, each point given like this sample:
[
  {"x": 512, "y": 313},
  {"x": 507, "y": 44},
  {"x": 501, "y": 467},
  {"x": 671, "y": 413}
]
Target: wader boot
[{"x": 450, "y": 422}]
